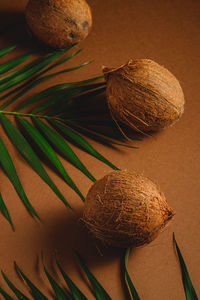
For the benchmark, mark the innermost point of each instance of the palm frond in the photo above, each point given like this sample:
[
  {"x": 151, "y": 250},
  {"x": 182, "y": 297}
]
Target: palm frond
[
  {"x": 71, "y": 291},
  {"x": 62, "y": 146},
  {"x": 190, "y": 293},
  {"x": 98, "y": 290},
  {"x": 6, "y": 50},
  {"x": 64, "y": 106},
  {"x": 48, "y": 152},
  {"x": 132, "y": 291},
  {"x": 27, "y": 71},
  {"x": 7, "y": 66},
  {"x": 5, "y": 295},
  {"x": 75, "y": 291},
  {"x": 53, "y": 89},
  {"x": 5, "y": 211},
  {"x": 9, "y": 169},
  {"x": 80, "y": 141},
  {"x": 95, "y": 135},
  {"x": 44, "y": 129},
  {"x": 59, "y": 292},
  {"x": 64, "y": 95},
  {"x": 28, "y": 154},
  {"x": 15, "y": 290},
  {"x": 35, "y": 292},
  {"x": 33, "y": 82}
]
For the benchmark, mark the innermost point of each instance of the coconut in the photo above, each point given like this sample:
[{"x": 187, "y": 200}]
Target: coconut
[
  {"x": 59, "y": 23},
  {"x": 144, "y": 95},
  {"x": 126, "y": 209}
]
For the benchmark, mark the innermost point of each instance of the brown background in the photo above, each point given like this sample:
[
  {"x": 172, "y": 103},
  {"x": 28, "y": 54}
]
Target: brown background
[{"x": 167, "y": 32}]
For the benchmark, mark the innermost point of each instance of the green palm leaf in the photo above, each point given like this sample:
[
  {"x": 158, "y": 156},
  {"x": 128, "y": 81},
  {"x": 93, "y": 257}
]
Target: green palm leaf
[
  {"x": 24, "y": 75},
  {"x": 62, "y": 146},
  {"x": 53, "y": 89},
  {"x": 19, "y": 72},
  {"x": 190, "y": 293},
  {"x": 59, "y": 292},
  {"x": 73, "y": 101},
  {"x": 13, "y": 63},
  {"x": 5, "y": 212},
  {"x": 49, "y": 153},
  {"x": 29, "y": 155},
  {"x": 36, "y": 293},
  {"x": 40, "y": 80},
  {"x": 5, "y": 295},
  {"x": 64, "y": 95},
  {"x": 79, "y": 140},
  {"x": 17, "y": 292},
  {"x": 9, "y": 169},
  {"x": 95, "y": 136},
  {"x": 52, "y": 100},
  {"x": 27, "y": 86},
  {"x": 76, "y": 293},
  {"x": 6, "y": 50},
  {"x": 99, "y": 291},
  {"x": 28, "y": 70},
  {"x": 132, "y": 291}
]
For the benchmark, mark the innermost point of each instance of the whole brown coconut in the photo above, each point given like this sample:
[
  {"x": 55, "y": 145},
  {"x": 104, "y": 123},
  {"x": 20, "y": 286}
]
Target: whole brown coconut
[
  {"x": 125, "y": 209},
  {"x": 59, "y": 23},
  {"x": 144, "y": 95}
]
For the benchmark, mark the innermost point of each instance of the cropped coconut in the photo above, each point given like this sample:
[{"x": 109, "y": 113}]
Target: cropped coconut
[
  {"x": 144, "y": 95},
  {"x": 59, "y": 23},
  {"x": 126, "y": 209}
]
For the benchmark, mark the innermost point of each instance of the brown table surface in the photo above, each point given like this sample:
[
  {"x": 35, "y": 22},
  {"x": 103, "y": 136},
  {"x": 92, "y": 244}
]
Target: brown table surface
[{"x": 167, "y": 32}]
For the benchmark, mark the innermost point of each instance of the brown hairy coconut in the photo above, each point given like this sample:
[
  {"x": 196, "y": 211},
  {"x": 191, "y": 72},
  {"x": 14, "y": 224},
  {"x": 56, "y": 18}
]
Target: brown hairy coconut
[
  {"x": 59, "y": 23},
  {"x": 126, "y": 209},
  {"x": 144, "y": 95}
]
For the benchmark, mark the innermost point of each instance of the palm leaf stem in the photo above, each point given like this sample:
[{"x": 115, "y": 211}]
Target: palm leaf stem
[
  {"x": 15, "y": 113},
  {"x": 50, "y": 118}
]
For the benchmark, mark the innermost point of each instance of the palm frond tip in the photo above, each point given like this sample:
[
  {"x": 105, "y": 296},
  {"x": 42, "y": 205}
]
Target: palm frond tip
[{"x": 72, "y": 291}]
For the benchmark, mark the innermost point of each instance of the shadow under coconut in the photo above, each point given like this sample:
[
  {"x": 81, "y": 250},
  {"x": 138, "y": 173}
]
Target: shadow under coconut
[
  {"x": 9, "y": 20},
  {"x": 13, "y": 28},
  {"x": 66, "y": 234}
]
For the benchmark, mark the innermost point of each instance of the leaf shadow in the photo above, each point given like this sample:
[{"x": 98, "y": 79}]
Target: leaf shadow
[{"x": 89, "y": 114}]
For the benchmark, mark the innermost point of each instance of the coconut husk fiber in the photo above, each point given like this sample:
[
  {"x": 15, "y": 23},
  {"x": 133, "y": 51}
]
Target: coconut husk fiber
[
  {"x": 126, "y": 209},
  {"x": 59, "y": 23},
  {"x": 144, "y": 95}
]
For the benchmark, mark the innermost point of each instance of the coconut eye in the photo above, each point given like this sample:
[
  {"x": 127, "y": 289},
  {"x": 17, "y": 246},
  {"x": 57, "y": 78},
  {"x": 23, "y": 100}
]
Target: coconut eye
[
  {"x": 71, "y": 35},
  {"x": 85, "y": 24}
]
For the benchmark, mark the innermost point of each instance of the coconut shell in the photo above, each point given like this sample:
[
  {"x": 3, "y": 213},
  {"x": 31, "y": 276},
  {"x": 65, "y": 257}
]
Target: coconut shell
[
  {"x": 59, "y": 23},
  {"x": 126, "y": 209},
  {"x": 144, "y": 95}
]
